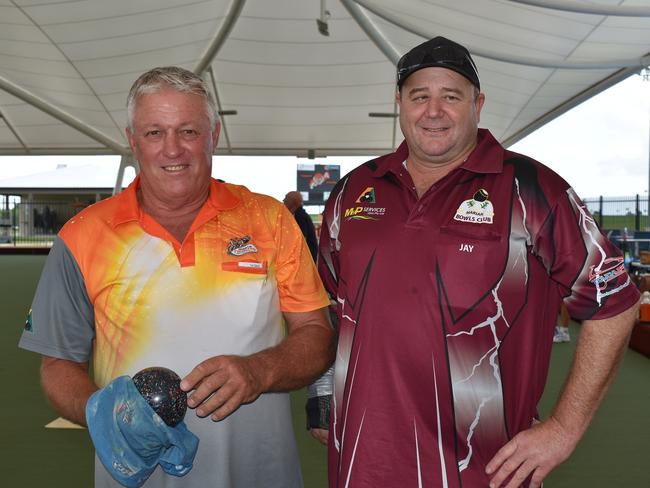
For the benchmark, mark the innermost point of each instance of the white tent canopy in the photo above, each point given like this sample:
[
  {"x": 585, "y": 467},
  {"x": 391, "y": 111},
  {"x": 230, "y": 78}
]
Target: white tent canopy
[{"x": 285, "y": 88}]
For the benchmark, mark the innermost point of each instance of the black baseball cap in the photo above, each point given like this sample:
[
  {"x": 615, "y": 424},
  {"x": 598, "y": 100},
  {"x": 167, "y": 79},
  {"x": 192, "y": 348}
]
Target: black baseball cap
[{"x": 438, "y": 52}]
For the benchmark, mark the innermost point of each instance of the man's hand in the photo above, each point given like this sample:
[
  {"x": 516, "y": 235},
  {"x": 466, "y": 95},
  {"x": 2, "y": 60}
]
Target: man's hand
[
  {"x": 535, "y": 451},
  {"x": 320, "y": 435},
  {"x": 221, "y": 384}
]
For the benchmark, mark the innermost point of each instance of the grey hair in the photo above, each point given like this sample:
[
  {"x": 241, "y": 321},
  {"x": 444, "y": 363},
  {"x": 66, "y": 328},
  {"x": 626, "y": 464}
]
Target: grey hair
[{"x": 178, "y": 79}]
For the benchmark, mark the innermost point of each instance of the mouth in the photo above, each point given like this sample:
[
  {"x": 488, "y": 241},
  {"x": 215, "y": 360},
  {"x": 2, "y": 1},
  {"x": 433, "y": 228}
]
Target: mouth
[
  {"x": 435, "y": 130},
  {"x": 175, "y": 168}
]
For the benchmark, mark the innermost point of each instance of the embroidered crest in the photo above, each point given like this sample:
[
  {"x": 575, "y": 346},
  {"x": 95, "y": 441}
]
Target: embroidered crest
[
  {"x": 240, "y": 246},
  {"x": 28, "y": 322},
  {"x": 606, "y": 272},
  {"x": 478, "y": 209},
  {"x": 367, "y": 196}
]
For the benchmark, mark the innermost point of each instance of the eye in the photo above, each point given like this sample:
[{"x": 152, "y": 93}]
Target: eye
[
  {"x": 189, "y": 133},
  {"x": 152, "y": 133},
  {"x": 420, "y": 98}
]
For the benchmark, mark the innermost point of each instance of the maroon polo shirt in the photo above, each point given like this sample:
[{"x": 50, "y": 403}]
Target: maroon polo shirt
[{"x": 446, "y": 308}]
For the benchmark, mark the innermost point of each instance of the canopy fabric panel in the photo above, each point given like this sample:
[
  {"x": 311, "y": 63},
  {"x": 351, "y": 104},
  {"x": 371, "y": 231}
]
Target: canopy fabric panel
[{"x": 66, "y": 66}]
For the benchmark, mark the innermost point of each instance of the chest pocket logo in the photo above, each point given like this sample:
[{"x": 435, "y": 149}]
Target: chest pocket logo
[
  {"x": 239, "y": 246},
  {"x": 477, "y": 210}
]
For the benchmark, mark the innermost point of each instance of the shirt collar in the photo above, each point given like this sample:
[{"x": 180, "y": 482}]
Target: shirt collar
[
  {"x": 486, "y": 157},
  {"x": 128, "y": 208}
]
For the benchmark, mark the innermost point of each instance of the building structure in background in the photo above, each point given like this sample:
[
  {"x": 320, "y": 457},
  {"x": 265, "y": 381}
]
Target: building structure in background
[{"x": 33, "y": 208}]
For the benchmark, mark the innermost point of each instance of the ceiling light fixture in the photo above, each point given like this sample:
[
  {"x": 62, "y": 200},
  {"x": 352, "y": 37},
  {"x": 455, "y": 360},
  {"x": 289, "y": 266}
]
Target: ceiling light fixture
[
  {"x": 324, "y": 17},
  {"x": 383, "y": 115}
]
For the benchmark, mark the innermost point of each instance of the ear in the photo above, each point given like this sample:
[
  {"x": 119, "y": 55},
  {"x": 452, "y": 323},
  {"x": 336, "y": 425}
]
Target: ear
[
  {"x": 478, "y": 105},
  {"x": 215, "y": 135},
  {"x": 131, "y": 138}
]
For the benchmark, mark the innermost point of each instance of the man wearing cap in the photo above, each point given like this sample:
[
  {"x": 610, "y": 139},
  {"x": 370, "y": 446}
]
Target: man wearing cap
[{"x": 448, "y": 260}]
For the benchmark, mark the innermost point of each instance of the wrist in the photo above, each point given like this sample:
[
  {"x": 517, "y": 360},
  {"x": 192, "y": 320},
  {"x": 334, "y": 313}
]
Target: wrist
[
  {"x": 260, "y": 371},
  {"x": 567, "y": 429}
]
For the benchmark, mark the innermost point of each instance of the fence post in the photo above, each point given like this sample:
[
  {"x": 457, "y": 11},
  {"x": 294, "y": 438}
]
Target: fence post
[
  {"x": 600, "y": 211},
  {"x": 14, "y": 223},
  {"x": 637, "y": 215}
]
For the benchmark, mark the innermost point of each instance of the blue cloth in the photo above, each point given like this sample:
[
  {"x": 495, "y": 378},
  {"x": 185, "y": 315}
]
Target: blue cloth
[{"x": 131, "y": 439}]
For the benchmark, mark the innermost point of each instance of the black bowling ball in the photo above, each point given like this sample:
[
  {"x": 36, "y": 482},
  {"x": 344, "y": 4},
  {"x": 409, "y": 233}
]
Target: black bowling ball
[{"x": 161, "y": 388}]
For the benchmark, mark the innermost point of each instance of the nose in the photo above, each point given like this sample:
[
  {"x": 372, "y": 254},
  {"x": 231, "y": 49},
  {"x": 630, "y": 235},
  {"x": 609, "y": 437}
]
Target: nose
[
  {"x": 434, "y": 107},
  {"x": 171, "y": 145}
]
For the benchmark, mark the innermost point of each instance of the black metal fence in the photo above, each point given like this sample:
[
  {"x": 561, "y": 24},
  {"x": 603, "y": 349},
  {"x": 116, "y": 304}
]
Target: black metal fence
[
  {"x": 620, "y": 213},
  {"x": 34, "y": 224}
]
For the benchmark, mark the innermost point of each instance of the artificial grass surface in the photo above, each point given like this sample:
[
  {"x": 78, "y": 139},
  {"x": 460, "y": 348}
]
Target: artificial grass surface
[{"x": 614, "y": 453}]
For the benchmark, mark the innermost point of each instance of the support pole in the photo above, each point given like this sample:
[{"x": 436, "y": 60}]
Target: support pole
[{"x": 125, "y": 162}]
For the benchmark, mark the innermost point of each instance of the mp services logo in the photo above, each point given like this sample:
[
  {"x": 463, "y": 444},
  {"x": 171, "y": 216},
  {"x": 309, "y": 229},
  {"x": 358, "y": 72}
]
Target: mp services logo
[
  {"x": 362, "y": 212},
  {"x": 240, "y": 246},
  {"x": 367, "y": 196},
  {"x": 477, "y": 210}
]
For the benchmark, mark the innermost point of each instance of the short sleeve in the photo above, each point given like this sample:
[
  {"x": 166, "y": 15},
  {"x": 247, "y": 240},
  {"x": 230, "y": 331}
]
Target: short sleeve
[
  {"x": 299, "y": 285},
  {"x": 62, "y": 317},
  {"x": 584, "y": 262}
]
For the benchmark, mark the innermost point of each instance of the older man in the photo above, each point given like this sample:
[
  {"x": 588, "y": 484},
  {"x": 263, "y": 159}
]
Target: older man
[
  {"x": 195, "y": 275},
  {"x": 449, "y": 260}
]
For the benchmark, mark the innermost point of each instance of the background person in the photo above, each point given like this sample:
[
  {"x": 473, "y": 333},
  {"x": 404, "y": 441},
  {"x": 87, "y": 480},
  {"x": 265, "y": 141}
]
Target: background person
[
  {"x": 448, "y": 287},
  {"x": 561, "y": 333},
  {"x": 188, "y": 273},
  {"x": 293, "y": 201}
]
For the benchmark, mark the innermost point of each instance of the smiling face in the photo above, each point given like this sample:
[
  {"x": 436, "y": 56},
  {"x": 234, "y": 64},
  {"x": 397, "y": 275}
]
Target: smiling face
[
  {"x": 172, "y": 140},
  {"x": 439, "y": 116}
]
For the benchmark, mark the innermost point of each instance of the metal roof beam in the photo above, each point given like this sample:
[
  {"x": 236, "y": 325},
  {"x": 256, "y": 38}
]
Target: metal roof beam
[
  {"x": 13, "y": 131},
  {"x": 372, "y": 31},
  {"x": 377, "y": 36},
  {"x": 61, "y": 115},
  {"x": 589, "y": 8},
  {"x": 637, "y": 63},
  {"x": 229, "y": 22},
  {"x": 569, "y": 104}
]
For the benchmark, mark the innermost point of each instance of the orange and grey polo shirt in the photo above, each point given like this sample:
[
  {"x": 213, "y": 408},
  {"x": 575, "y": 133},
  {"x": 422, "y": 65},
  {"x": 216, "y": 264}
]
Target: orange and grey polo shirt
[{"x": 118, "y": 282}]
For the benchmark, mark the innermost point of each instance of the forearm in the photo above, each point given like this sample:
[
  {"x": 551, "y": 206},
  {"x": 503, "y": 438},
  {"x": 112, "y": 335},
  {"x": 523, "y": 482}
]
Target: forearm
[
  {"x": 67, "y": 386},
  {"x": 536, "y": 451},
  {"x": 600, "y": 350},
  {"x": 297, "y": 361}
]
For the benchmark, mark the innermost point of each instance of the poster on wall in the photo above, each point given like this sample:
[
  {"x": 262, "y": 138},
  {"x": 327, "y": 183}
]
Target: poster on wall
[{"x": 316, "y": 181}]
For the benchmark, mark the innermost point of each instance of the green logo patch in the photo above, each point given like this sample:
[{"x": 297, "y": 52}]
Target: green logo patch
[{"x": 28, "y": 322}]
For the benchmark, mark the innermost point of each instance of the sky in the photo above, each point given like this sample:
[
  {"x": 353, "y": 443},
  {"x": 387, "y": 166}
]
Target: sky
[{"x": 600, "y": 147}]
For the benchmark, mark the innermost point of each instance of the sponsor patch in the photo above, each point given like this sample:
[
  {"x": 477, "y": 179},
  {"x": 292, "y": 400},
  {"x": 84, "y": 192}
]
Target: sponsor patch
[
  {"x": 610, "y": 269},
  {"x": 253, "y": 267},
  {"x": 364, "y": 213},
  {"x": 28, "y": 322},
  {"x": 367, "y": 196},
  {"x": 240, "y": 246},
  {"x": 477, "y": 210}
]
